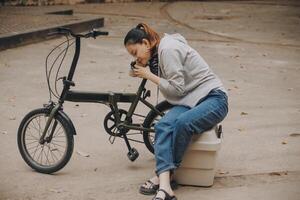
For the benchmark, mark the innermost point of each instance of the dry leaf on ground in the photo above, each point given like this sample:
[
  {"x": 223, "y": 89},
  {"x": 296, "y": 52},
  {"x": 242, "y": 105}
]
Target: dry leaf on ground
[
  {"x": 295, "y": 134},
  {"x": 82, "y": 154},
  {"x": 244, "y": 113}
]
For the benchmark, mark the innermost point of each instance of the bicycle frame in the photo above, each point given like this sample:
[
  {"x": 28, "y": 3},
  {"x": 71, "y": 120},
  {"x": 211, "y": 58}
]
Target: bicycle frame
[
  {"x": 108, "y": 98},
  {"x": 112, "y": 99}
]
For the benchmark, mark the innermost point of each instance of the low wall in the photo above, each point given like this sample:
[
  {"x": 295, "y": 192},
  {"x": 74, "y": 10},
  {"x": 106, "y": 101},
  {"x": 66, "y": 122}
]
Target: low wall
[{"x": 55, "y": 2}]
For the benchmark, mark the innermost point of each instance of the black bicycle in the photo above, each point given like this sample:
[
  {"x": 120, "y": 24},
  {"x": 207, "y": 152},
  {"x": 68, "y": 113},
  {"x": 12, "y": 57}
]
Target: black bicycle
[{"x": 45, "y": 135}]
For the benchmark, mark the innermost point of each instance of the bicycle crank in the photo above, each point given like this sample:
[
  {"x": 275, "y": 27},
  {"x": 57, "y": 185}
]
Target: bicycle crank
[{"x": 110, "y": 124}]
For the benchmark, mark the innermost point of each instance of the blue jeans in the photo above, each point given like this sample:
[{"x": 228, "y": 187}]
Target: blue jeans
[{"x": 175, "y": 129}]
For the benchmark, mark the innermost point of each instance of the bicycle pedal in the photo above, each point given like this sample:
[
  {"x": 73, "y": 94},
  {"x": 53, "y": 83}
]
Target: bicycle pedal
[{"x": 133, "y": 154}]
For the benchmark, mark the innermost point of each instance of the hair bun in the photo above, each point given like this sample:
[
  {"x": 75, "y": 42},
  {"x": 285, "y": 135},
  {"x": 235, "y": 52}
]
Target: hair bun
[{"x": 140, "y": 26}]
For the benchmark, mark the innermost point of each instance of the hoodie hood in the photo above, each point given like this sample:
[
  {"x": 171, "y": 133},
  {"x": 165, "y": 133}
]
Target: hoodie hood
[{"x": 177, "y": 36}]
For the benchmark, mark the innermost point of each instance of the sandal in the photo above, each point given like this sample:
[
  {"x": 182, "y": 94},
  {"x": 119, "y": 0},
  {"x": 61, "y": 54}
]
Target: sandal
[
  {"x": 151, "y": 190},
  {"x": 167, "y": 196}
]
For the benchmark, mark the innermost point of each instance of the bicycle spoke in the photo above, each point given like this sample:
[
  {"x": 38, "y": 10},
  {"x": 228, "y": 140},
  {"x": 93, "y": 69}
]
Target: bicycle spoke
[
  {"x": 47, "y": 160},
  {"x": 59, "y": 142},
  {"x": 137, "y": 133},
  {"x": 42, "y": 155},
  {"x": 32, "y": 138},
  {"x": 33, "y": 126},
  {"x": 56, "y": 132},
  {"x": 139, "y": 115},
  {"x": 59, "y": 133},
  {"x": 52, "y": 152},
  {"x": 35, "y": 149},
  {"x": 39, "y": 123},
  {"x": 48, "y": 152},
  {"x": 31, "y": 134},
  {"x": 55, "y": 145},
  {"x": 31, "y": 142},
  {"x": 39, "y": 155}
]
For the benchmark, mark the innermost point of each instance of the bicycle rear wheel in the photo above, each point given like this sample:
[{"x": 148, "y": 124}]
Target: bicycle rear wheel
[
  {"x": 53, "y": 154},
  {"x": 151, "y": 119}
]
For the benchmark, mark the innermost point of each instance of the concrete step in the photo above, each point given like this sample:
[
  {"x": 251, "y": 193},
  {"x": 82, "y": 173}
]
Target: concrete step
[{"x": 21, "y": 27}]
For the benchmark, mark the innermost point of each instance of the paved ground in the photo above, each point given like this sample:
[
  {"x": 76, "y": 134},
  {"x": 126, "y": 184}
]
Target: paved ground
[{"x": 254, "y": 48}]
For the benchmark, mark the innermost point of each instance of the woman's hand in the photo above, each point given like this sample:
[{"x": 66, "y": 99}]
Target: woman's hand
[
  {"x": 131, "y": 73},
  {"x": 142, "y": 72}
]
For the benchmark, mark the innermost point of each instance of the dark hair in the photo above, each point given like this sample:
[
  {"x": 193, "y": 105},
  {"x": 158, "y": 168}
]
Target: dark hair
[{"x": 140, "y": 32}]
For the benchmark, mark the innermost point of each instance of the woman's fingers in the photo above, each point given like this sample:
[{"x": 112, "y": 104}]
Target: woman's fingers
[
  {"x": 132, "y": 73},
  {"x": 140, "y": 71},
  {"x": 138, "y": 66}
]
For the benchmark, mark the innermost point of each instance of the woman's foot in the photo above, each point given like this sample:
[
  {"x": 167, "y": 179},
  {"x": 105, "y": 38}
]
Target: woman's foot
[
  {"x": 151, "y": 186},
  {"x": 164, "y": 194}
]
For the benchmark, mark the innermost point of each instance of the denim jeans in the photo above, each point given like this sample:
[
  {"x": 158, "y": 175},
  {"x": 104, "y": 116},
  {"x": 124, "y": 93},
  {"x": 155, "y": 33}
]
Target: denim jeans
[{"x": 175, "y": 129}]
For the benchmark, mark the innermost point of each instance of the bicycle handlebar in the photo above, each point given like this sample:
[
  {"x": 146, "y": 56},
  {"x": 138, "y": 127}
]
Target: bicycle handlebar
[{"x": 94, "y": 33}]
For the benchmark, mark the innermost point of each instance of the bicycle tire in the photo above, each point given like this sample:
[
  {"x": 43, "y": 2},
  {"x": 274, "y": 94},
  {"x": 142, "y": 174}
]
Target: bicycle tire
[
  {"x": 24, "y": 148},
  {"x": 149, "y": 122}
]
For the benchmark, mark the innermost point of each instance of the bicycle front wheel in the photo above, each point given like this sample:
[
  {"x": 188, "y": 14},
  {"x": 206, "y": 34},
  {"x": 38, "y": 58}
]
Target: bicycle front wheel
[{"x": 51, "y": 155}]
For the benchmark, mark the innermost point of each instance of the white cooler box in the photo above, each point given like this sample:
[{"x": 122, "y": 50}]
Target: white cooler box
[{"x": 199, "y": 161}]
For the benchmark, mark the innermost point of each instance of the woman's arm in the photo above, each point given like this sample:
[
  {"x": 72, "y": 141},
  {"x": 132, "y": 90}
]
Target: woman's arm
[{"x": 174, "y": 83}]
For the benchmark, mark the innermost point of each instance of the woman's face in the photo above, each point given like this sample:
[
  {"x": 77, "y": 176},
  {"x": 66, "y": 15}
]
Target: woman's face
[{"x": 140, "y": 51}]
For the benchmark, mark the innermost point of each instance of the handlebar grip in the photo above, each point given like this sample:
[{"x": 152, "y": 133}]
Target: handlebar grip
[{"x": 97, "y": 33}]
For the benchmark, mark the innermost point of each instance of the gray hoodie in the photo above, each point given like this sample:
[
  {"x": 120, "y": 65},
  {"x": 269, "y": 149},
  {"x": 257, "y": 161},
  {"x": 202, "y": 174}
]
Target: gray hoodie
[{"x": 185, "y": 77}]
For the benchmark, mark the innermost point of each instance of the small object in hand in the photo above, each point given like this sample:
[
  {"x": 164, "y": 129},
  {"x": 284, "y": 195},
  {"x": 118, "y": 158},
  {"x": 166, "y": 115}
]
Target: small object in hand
[{"x": 132, "y": 65}]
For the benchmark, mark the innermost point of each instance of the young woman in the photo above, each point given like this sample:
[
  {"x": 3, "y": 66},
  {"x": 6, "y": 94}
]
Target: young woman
[{"x": 187, "y": 82}]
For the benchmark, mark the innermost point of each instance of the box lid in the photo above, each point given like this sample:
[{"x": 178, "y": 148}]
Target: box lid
[{"x": 207, "y": 141}]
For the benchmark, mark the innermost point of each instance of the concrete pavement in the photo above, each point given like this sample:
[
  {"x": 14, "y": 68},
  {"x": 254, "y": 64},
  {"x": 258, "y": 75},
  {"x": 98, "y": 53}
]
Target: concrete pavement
[{"x": 253, "y": 47}]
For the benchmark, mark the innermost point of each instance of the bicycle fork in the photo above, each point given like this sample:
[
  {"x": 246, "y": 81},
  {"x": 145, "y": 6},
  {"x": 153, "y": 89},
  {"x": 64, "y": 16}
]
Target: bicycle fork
[{"x": 50, "y": 118}]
